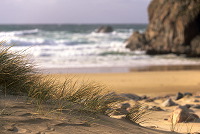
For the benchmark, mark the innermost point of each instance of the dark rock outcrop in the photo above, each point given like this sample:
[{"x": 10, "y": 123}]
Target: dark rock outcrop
[
  {"x": 136, "y": 41},
  {"x": 174, "y": 27},
  {"x": 178, "y": 96},
  {"x": 196, "y": 106},
  {"x": 104, "y": 29},
  {"x": 187, "y": 94}
]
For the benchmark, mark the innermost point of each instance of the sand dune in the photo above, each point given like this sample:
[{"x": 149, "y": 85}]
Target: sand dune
[{"x": 21, "y": 117}]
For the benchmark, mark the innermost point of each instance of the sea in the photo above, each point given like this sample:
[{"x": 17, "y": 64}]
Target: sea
[{"x": 79, "y": 47}]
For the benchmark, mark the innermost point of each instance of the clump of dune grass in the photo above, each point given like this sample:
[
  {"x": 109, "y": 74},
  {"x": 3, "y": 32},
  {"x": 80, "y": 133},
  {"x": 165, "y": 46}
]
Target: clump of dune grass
[
  {"x": 137, "y": 113},
  {"x": 18, "y": 76},
  {"x": 90, "y": 95}
]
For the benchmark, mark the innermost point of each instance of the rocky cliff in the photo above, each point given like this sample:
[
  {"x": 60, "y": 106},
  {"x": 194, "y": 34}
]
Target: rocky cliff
[{"x": 174, "y": 27}]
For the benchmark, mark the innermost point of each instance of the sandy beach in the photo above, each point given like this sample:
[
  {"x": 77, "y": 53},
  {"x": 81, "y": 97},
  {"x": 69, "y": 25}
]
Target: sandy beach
[
  {"x": 120, "y": 68},
  {"x": 151, "y": 83},
  {"x": 154, "y": 84},
  {"x": 18, "y": 116}
]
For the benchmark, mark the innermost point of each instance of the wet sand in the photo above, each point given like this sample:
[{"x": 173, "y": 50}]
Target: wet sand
[{"x": 122, "y": 69}]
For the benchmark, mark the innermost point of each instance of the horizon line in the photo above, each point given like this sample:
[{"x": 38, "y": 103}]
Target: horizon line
[{"x": 73, "y": 23}]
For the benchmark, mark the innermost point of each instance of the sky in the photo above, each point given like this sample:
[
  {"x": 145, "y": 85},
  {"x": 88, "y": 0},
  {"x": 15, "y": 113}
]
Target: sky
[{"x": 73, "y": 11}]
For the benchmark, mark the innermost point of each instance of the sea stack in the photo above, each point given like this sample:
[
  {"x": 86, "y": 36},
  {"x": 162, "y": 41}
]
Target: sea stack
[
  {"x": 174, "y": 27},
  {"x": 104, "y": 29}
]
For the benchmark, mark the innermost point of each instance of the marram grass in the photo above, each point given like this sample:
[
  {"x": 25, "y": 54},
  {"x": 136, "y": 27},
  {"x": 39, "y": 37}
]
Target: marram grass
[
  {"x": 19, "y": 76},
  {"x": 137, "y": 113}
]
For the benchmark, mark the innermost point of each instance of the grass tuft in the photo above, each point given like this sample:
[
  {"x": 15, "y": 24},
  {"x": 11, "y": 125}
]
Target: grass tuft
[
  {"x": 18, "y": 76},
  {"x": 137, "y": 113}
]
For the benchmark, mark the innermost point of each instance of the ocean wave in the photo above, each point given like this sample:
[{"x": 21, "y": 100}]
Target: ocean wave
[
  {"x": 42, "y": 41},
  {"x": 95, "y": 55},
  {"x": 125, "y": 30},
  {"x": 29, "y": 42},
  {"x": 19, "y": 33},
  {"x": 68, "y": 39},
  {"x": 84, "y": 49}
]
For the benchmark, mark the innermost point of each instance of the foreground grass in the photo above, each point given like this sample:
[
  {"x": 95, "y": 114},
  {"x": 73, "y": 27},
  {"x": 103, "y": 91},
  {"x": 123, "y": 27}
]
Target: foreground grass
[
  {"x": 18, "y": 76},
  {"x": 137, "y": 113}
]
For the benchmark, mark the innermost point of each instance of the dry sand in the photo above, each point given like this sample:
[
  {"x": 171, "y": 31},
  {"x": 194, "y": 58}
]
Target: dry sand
[
  {"x": 144, "y": 83},
  {"x": 154, "y": 84},
  {"x": 19, "y": 117}
]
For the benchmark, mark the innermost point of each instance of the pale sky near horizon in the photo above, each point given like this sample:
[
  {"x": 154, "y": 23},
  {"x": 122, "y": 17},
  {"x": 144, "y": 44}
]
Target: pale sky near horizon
[{"x": 73, "y": 11}]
